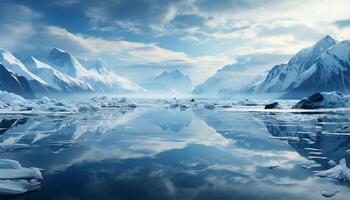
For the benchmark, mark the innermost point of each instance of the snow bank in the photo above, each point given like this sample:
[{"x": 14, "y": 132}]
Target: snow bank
[
  {"x": 106, "y": 102},
  {"x": 15, "y": 179},
  {"x": 10, "y": 102},
  {"x": 247, "y": 102},
  {"x": 13, "y": 102},
  {"x": 323, "y": 100},
  {"x": 339, "y": 172}
]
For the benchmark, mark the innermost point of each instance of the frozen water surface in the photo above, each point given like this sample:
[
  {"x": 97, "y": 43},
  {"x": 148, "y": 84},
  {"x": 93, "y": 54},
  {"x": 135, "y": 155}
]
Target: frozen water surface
[{"x": 195, "y": 150}]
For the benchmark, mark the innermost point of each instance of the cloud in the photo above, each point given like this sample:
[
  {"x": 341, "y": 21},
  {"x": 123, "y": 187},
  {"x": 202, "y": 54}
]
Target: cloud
[
  {"x": 16, "y": 24},
  {"x": 344, "y": 23}
]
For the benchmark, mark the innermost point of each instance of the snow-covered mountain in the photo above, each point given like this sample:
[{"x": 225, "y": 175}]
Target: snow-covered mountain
[
  {"x": 60, "y": 81},
  {"x": 325, "y": 66},
  {"x": 14, "y": 65},
  {"x": 13, "y": 83},
  {"x": 100, "y": 80},
  {"x": 174, "y": 81},
  {"x": 225, "y": 81}
]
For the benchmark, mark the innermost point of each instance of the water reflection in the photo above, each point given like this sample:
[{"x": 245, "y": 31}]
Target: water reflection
[{"x": 158, "y": 153}]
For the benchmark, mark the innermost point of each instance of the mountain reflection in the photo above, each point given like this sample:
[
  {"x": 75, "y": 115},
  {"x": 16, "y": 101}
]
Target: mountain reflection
[{"x": 157, "y": 153}]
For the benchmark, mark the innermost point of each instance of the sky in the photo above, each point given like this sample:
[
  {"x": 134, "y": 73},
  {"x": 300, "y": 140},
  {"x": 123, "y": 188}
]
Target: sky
[{"x": 142, "y": 38}]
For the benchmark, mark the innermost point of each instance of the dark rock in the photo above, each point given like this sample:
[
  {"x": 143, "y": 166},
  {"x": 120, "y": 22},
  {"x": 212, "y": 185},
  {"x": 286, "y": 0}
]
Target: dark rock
[
  {"x": 317, "y": 97},
  {"x": 272, "y": 105}
]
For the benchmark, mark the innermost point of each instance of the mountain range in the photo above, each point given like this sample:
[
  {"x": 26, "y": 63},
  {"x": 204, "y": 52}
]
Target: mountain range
[
  {"x": 323, "y": 67},
  {"x": 60, "y": 72}
]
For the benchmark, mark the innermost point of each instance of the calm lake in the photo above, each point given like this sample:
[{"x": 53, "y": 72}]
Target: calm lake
[{"x": 161, "y": 153}]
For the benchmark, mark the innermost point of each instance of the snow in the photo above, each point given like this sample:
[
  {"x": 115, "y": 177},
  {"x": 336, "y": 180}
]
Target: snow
[
  {"x": 300, "y": 67},
  {"x": 17, "y": 67},
  {"x": 173, "y": 81},
  {"x": 15, "y": 179},
  {"x": 323, "y": 100},
  {"x": 339, "y": 172},
  {"x": 106, "y": 102},
  {"x": 54, "y": 78},
  {"x": 100, "y": 80}
]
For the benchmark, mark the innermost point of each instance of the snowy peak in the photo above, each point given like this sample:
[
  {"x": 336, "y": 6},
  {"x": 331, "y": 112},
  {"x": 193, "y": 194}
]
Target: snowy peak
[
  {"x": 65, "y": 62},
  {"x": 323, "y": 67},
  {"x": 97, "y": 65},
  {"x": 16, "y": 66},
  {"x": 58, "y": 80},
  {"x": 172, "y": 75},
  {"x": 170, "y": 81}
]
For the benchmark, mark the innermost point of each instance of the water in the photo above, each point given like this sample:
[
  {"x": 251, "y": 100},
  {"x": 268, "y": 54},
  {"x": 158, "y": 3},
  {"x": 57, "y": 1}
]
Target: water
[{"x": 159, "y": 153}]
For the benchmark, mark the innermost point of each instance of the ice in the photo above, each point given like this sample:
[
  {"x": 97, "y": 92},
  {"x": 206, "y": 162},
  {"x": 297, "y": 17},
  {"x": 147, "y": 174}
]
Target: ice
[
  {"x": 247, "y": 102},
  {"x": 13, "y": 103},
  {"x": 327, "y": 193},
  {"x": 209, "y": 106},
  {"x": 12, "y": 147},
  {"x": 339, "y": 172},
  {"x": 105, "y": 102},
  {"x": 323, "y": 100},
  {"x": 15, "y": 179}
]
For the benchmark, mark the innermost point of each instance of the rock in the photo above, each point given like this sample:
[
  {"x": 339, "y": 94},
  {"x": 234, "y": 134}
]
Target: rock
[
  {"x": 273, "y": 166},
  {"x": 272, "y": 105},
  {"x": 322, "y": 100}
]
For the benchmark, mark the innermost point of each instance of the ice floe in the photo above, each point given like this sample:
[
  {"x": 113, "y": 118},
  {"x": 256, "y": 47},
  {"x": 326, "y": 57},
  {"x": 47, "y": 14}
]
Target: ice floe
[
  {"x": 339, "y": 172},
  {"x": 15, "y": 179},
  {"x": 327, "y": 193},
  {"x": 12, "y": 103}
]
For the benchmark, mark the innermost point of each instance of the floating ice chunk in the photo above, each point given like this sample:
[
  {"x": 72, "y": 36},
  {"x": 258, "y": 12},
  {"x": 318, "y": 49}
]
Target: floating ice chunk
[
  {"x": 123, "y": 100},
  {"x": 13, "y": 147},
  {"x": 247, "y": 102},
  {"x": 323, "y": 100},
  {"x": 209, "y": 106},
  {"x": 346, "y": 170},
  {"x": 184, "y": 107},
  {"x": 15, "y": 179},
  {"x": 13, "y": 187},
  {"x": 340, "y": 172},
  {"x": 10, "y": 101},
  {"x": 327, "y": 193}
]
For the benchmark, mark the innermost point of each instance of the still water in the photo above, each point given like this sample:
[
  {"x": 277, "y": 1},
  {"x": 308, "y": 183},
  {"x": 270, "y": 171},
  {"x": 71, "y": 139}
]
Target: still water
[{"x": 160, "y": 153}]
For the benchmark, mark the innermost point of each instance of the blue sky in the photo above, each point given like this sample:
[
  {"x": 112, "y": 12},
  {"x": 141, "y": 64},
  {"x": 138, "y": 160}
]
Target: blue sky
[{"x": 141, "y": 38}]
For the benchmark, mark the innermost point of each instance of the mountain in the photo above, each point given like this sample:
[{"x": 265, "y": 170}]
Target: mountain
[
  {"x": 60, "y": 81},
  {"x": 173, "y": 81},
  {"x": 13, "y": 83},
  {"x": 12, "y": 64},
  {"x": 331, "y": 72},
  {"x": 225, "y": 81},
  {"x": 101, "y": 81},
  {"x": 234, "y": 78},
  {"x": 321, "y": 67}
]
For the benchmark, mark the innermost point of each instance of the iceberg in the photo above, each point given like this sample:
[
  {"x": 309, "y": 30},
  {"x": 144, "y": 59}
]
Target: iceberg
[
  {"x": 339, "y": 172},
  {"x": 15, "y": 179},
  {"x": 323, "y": 100}
]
